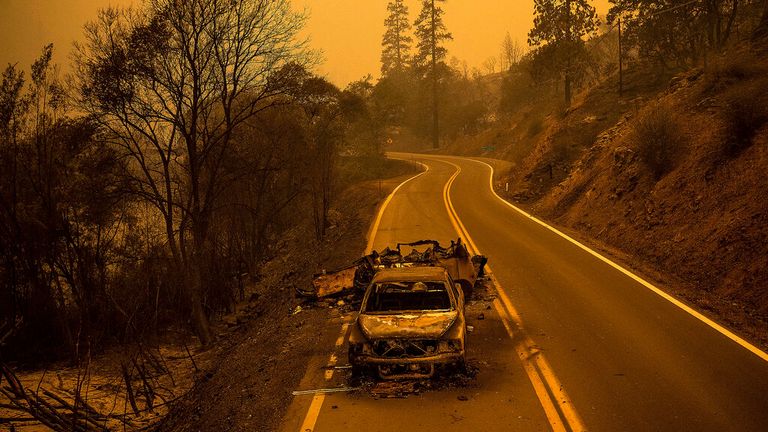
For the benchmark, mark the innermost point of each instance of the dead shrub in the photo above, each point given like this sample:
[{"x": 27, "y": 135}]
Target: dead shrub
[
  {"x": 658, "y": 139},
  {"x": 745, "y": 113}
]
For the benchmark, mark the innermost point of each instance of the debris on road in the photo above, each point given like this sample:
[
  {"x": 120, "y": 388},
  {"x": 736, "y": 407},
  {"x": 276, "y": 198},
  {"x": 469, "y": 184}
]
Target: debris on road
[
  {"x": 325, "y": 390},
  {"x": 463, "y": 268},
  {"x": 395, "y": 389},
  {"x": 389, "y": 389}
]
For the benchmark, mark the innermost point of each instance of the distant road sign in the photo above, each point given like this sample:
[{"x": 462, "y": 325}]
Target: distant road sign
[{"x": 489, "y": 148}]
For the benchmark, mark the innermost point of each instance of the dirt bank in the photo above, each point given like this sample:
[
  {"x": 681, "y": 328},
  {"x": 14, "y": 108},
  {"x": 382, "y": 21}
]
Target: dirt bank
[
  {"x": 671, "y": 183},
  {"x": 249, "y": 385}
]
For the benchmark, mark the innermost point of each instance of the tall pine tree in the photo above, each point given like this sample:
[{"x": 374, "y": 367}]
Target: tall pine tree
[
  {"x": 430, "y": 35},
  {"x": 396, "y": 43},
  {"x": 563, "y": 24}
]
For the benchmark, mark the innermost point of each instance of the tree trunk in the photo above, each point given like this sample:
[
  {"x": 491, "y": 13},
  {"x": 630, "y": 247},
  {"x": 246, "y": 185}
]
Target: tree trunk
[
  {"x": 568, "y": 48},
  {"x": 193, "y": 286},
  {"x": 731, "y": 19},
  {"x": 761, "y": 32},
  {"x": 435, "y": 118}
]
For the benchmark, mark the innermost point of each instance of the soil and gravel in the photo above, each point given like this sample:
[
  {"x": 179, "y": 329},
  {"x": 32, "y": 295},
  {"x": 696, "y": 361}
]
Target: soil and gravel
[{"x": 699, "y": 228}]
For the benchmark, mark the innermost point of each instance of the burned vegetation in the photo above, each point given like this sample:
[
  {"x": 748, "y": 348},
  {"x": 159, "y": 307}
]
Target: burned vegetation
[{"x": 141, "y": 197}]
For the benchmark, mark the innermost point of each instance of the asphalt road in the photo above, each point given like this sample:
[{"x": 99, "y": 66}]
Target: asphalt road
[{"x": 576, "y": 343}]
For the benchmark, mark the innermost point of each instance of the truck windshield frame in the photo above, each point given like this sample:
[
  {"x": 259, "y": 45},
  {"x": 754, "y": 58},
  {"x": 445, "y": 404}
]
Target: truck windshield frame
[{"x": 408, "y": 296}]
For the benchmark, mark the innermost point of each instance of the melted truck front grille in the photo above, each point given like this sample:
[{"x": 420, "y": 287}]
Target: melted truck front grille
[{"x": 404, "y": 348}]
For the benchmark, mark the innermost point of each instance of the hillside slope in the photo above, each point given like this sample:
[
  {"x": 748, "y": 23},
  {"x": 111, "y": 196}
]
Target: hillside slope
[{"x": 674, "y": 180}]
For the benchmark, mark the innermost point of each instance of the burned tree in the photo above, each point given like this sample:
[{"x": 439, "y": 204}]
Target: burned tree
[
  {"x": 60, "y": 203},
  {"x": 171, "y": 83}
]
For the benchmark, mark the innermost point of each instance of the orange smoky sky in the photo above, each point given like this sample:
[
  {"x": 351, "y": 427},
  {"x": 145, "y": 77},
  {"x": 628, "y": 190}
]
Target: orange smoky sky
[
  {"x": 348, "y": 32},
  {"x": 26, "y": 26}
]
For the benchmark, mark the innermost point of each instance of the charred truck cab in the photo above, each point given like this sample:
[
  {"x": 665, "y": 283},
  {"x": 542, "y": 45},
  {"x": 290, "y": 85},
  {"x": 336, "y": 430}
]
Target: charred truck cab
[
  {"x": 411, "y": 321},
  {"x": 411, "y": 318}
]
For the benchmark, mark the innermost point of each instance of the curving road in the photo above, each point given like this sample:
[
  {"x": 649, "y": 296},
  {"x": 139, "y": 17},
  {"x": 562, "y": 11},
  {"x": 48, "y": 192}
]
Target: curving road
[{"x": 574, "y": 342}]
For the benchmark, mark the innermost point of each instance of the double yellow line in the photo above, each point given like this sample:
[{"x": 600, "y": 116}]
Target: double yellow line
[
  {"x": 557, "y": 405},
  {"x": 560, "y": 412}
]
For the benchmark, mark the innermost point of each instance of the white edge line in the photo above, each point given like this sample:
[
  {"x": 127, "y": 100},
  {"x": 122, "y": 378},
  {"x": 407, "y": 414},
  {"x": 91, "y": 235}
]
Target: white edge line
[
  {"x": 375, "y": 226},
  {"x": 698, "y": 315},
  {"x": 313, "y": 412}
]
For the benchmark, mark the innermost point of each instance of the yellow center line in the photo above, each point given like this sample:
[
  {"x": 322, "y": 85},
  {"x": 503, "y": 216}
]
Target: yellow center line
[
  {"x": 545, "y": 383},
  {"x": 555, "y": 402},
  {"x": 332, "y": 362},
  {"x": 314, "y": 411},
  {"x": 541, "y": 392}
]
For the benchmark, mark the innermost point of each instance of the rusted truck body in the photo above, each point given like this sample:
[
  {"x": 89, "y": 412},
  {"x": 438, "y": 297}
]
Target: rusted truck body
[{"x": 411, "y": 319}]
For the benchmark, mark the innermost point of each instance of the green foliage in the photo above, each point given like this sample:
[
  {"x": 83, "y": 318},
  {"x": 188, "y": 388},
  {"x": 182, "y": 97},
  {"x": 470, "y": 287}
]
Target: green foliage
[
  {"x": 396, "y": 43},
  {"x": 558, "y": 30},
  {"x": 430, "y": 35},
  {"x": 550, "y": 62},
  {"x": 517, "y": 89},
  {"x": 392, "y": 96},
  {"x": 673, "y": 33},
  {"x": 562, "y": 20},
  {"x": 658, "y": 139},
  {"x": 364, "y": 129}
]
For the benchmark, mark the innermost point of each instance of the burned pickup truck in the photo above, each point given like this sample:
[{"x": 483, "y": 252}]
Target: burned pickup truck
[{"x": 411, "y": 318}]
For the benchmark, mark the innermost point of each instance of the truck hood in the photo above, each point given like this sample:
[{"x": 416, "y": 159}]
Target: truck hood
[{"x": 407, "y": 325}]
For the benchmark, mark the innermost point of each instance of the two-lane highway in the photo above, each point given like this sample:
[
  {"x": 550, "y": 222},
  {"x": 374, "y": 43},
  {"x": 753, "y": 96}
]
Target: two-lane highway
[
  {"x": 629, "y": 358},
  {"x": 601, "y": 349}
]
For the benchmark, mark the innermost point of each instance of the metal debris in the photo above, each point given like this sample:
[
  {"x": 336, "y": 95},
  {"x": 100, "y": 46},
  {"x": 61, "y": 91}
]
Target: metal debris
[
  {"x": 463, "y": 268},
  {"x": 325, "y": 390}
]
